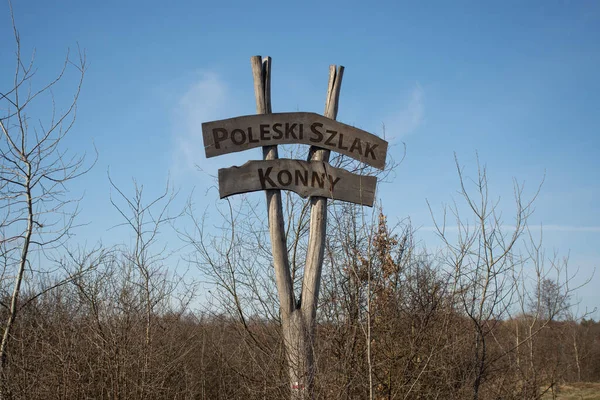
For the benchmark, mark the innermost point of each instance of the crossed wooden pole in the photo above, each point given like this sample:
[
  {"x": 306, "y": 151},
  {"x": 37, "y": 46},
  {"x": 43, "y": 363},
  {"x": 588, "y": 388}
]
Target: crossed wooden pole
[{"x": 313, "y": 178}]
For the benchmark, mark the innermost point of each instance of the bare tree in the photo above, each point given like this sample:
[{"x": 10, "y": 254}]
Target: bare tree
[
  {"x": 149, "y": 281},
  {"x": 36, "y": 212},
  {"x": 498, "y": 270},
  {"x": 483, "y": 261},
  {"x": 543, "y": 298}
]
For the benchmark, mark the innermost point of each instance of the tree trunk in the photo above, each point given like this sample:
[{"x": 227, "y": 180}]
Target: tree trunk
[
  {"x": 576, "y": 353},
  {"x": 14, "y": 301}
]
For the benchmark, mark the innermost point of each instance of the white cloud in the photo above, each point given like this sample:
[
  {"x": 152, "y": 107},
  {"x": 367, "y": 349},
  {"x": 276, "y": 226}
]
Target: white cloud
[
  {"x": 545, "y": 228},
  {"x": 408, "y": 118},
  {"x": 570, "y": 228},
  {"x": 205, "y": 99}
]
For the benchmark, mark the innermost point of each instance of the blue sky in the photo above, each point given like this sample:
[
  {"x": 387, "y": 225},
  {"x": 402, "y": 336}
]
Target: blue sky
[{"x": 516, "y": 83}]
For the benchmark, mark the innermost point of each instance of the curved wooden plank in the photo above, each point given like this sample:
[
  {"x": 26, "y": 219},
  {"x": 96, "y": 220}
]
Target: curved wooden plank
[
  {"x": 307, "y": 178},
  {"x": 247, "y": 132}
]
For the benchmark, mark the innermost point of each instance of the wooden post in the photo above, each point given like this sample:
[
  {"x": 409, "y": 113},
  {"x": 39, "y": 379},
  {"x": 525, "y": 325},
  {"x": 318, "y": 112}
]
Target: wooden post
[
  {"x": 261, "y": 70},
  {"x": 272, "y": 174},
  {"x": 318, "y": 211},
  {"x": 291, "y": 324},
  {"x": 298, "y": 320},
  {"x": 318, "y": 226}
]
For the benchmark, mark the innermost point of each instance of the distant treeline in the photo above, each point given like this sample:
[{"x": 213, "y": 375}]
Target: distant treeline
[{"x": 120, "y": 332}]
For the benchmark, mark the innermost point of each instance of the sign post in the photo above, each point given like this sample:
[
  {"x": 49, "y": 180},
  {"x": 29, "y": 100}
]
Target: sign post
[
  {"x": 251, "y": 131},
  {"x": 306, "y": 178},
  {"x": 313, "y": 178}
]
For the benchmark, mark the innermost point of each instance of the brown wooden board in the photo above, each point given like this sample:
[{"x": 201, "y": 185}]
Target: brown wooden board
[
  {"x": 307, "y": 178},
  {"x": 247, "y": 132}
]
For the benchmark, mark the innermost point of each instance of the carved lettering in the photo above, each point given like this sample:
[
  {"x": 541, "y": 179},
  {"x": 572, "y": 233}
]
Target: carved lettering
[
  {"x": 238, "y": 136},
  {"x": 278, "y": 131},
  {"x": 318, "y": 178},
  {"x": 247, "y": 132},
  {"x": 371, "y": 149},
  {"x": 263, "y": 177},
  {"x": 329, "y": 140},
  {"x": 289, "y": 131},
  {"x": 288, "y": 177},
  {"x": 307, "y": 178},
  {"x": 250, "y": 136},
  {"x": 341, "y": 141},
  {"x": 219, "y": 134},
  {"x": 333, "y": 182},
  {"x": 318, "y": 135},
  {"x": 264, "y": 132},
  {"x": 356, "y": 145},
  {"x": 301, "y": 177},
  {"x": 298, "y": 177}
]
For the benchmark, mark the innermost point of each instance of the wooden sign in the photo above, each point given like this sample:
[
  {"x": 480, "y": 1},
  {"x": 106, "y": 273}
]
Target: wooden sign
[
  {"x": 247, "y": 132},
  {"x": 307, "y": 178}
]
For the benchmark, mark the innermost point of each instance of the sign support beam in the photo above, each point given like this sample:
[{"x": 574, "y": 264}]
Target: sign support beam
[
  {"x": 318, "y": 224},
  {"x": 313, "y": 178},
  {"x": 261, "y": 72}
]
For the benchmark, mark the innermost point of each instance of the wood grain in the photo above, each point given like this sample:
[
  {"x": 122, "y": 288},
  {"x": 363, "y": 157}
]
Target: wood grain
[
  {"x": 316, "y": 178},
  {"x": 311, "y": 282},
  {"x": 261, "y": 72},
  {"x": 251, "y": 131}
]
